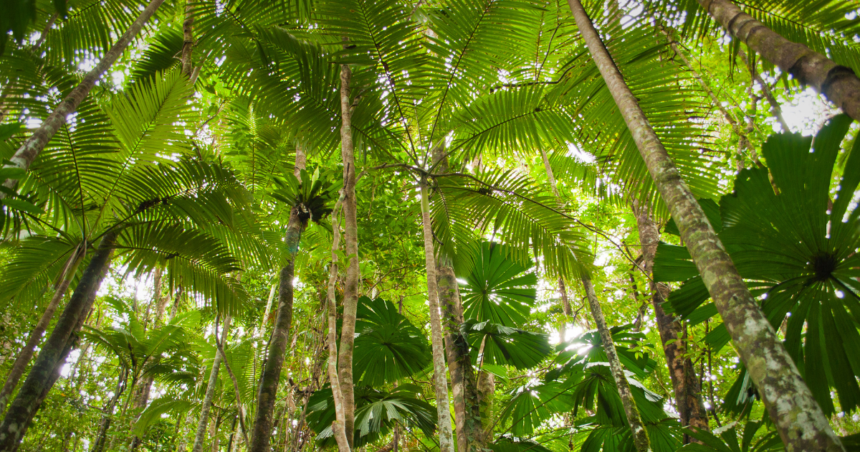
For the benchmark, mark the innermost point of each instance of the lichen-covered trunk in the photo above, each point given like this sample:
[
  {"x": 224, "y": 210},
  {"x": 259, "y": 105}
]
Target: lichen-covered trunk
[
  {"x": 440, "y": 381},
  {"x": 27, "y": 153},
  {"x": 684, "y": 381},
  {"x": 46, "y": 368},
  {"x": 799, "y": 420},
  {"x": 637, "y": 428},
  {"x": 350, "y": 235},
  {"x": 838, "y": 83},
  {"x": 467, "y": 413},
  {"x": 26, "y": 353},
  {"x": 188, "y": 41},
  {"x": 486, "y": 399},
  {"x": 343, "y": 444},
  {"x": 206, "y": 405},
  {"x": 267, "y": 391}
]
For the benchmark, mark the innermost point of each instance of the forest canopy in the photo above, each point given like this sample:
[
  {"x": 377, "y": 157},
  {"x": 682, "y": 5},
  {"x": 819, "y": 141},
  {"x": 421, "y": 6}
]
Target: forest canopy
[{"x": 433, "y": 225}]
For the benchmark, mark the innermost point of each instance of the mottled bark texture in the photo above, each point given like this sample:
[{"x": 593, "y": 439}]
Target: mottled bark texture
[
  {"x": 838, "y": 83},
  {"x": 684, "y": 381},
  {"x": 268, "y": 387},
  {"x": 440, "y": 381},
  {"x": 467, "y": 412},
  {"x": 46, "y": 368},
  {"x": 637, "y": 428},
  {"x": 188, "y": 41},
  {"x": 799, "y": 419},
  {"x": 26, "y": 353},
  {"x": 486, "y": 399},
  {"x": 350, "y": 235},
  {"x": 206, "y": 405},
  {"x": 27, "y": 153},
  {"x": 331, "y": 337}
]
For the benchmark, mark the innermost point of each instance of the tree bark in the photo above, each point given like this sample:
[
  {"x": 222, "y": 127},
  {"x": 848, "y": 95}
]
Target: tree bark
[
  {"x": 62, "y": 339},
  {"x": 187, "y": 41},
  {"x": 684, "y": 382},
  {"x": 440, "y": 381},
  {"x": 343, "y": 443},
  {"x": 27, "y": 153},
  {"x": 467, "y": 412},
  {"x": 637, "y": 428},
  {"x": 838, "y": 83},
  {"x": 486, "y": 398},
  {"x": 239, "y": 407},
  {"x": 350, "y": 233},
  {"x": 268, "y": 386},
  {"x": 206, "y": 405},
  {"x": 771, "y": 368},
  {"x": 26, "y": 353}
]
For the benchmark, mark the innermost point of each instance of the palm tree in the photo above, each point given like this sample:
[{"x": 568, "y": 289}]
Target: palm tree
[
  {"x": 150, "y": 208},
  {"x": 771, "y": 366},
  {"x": 27, "y": 153}
]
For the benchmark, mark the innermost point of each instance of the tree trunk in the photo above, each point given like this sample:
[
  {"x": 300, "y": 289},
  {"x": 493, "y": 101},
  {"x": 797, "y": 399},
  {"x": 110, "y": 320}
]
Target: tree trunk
[
  {"x": 770, "y": 366},
  {"x": 343, "y": 443},
  {"x": 486, "y": 398},
  {"x": 268, "y": 387},
  {"x": 467, "y": 413},
  {"x": 350, "y": 291},
  {"x": 637, "y": 428},
  {"x": 681, "y": 370},
  {"x": 26, "y": 354},
  {"x": 239, "y": 407},
  {"x": 206, "y": 406},
  {"x": 188, "y": 41},
  {"x": 27, "y": 153},
  {"x": 446, "y": 440},
  {"x": 838, "y": 83},
  {"x": 107, "y": 415},
  {"x": 62, "y": 339}
]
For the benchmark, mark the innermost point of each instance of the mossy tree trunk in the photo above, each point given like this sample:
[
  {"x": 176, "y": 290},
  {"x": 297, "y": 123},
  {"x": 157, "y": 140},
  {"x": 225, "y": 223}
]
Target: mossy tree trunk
[
  {"x": 61, "y": 341},
  {"x": 267, "y": 391},
  {"x": 440, "y": 380},
  {"x": 799, "y": 420},
  {"x": 810, "y": 68}
]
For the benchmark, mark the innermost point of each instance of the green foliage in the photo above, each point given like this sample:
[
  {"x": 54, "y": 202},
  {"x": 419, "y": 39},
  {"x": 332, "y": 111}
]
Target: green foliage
[
  {"x": 798, "y": 250},
  {"x": 505, "y": 345},
  {"x": 498, "y": 289},
  {"x": 388, "y": 347}
]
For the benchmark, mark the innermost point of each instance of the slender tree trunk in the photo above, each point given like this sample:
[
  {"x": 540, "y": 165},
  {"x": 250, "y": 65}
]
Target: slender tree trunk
[
  {"x": 350, "y": 291},
  {"x": 268, "y": 389},
  {"x": 467, "y": 413},
  {"x": 681, "y": 370},
  {"x": 27, "y": 153},
  {"x": 60, "y": 342},
  {"x": 107, "y": 415},
  {"x": 188, "y": 41},
  {"x": 770, "y": 366},
  {"x": 206, "y": 405},
  {"x": 26, "y": 354},
  {"x": 446, "y": 440},
  {"x": 838, "y": 83},
  {"x": 775, "y": 109},
  {"x": 637, "y": 428},
  {"x": 239, "y": 406},
  {"x": 343, "y": 443}
]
